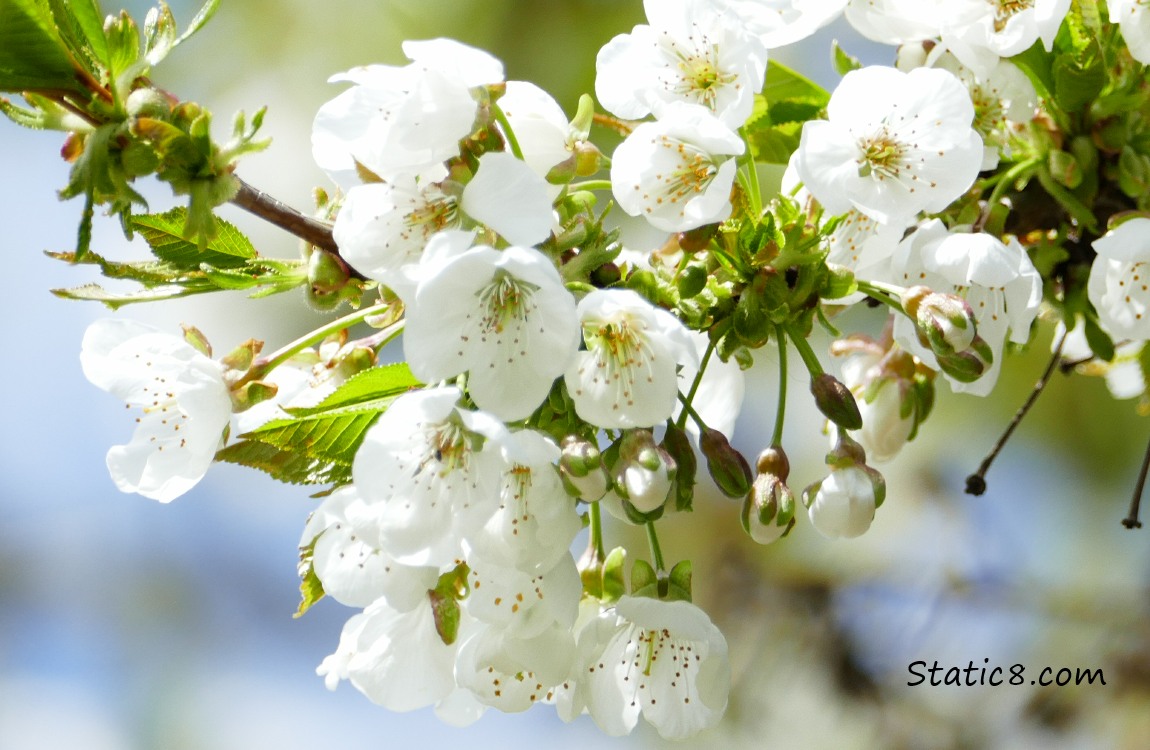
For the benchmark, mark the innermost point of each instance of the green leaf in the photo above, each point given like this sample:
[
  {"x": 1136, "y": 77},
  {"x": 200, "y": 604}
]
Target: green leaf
[
  {"x": 331, "y": 437},
  {"x": 843, "y": 62},
  {"x": 290, "y": 467},
  {"x": 81, "y": 25},
  {"x": 202, "y": 17},
  {"x": 33, "y": 57},
  {"x": 644, "y": 582},
  {"x": 310, "y": 587},
  {"x": 1077, "y": 82},
  {"x": 164, "y": 233},
  {"x": 366, "y": 387},
  {"x": 116, "y": 300},
  {"x": 782, "y": 84}
]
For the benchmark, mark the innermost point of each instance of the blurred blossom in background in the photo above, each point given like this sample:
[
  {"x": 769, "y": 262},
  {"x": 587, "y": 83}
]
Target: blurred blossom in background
[{"x": 125, "y": 624}]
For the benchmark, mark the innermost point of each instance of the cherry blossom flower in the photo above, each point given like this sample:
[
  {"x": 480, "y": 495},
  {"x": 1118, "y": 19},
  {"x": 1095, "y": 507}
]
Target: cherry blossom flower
[
  {"x": 691, "y": 53},
  {"x": 183, "y": 400},
  {"x": 896, "y": 21},
  {"x": 1133, "y": 17},
  {"x": 525, "y": 603},
  {"x": 540, "y": 127},
  {"x": 347, "y": 556},
  {"x": 1119, "y": 283},
  {"x": 402, "y": 120},
  {"x": 1123, "y": 374},
  {"x": 997, "y": 279},
  {"x": 511, "y": 673},
  {"x": 384, "y": 226},
  {"x": 506, "y": 195},
  {"x": 979, "y": 32},
  {"x": 662, "y": 659},
  {"x": 433, "y": 469},
  {"x": 511, "y": 321},
  {"x": 627, "y": 375},
  {"x": 842, "y": 505},
  {"x": 674, "y": 172},
  {"x": 536, "y": 520},
  {"x": 781, "y": 22},
  {"x": 396, "y": 658},
  {"x": 895, "y": 144},
  {"x": 881, "y": 381}
]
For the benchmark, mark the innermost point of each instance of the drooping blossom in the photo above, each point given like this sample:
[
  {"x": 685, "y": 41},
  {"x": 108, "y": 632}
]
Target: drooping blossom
[
  {"x": 1119, "y": 283},
  {"x": 183, "y": 400}
]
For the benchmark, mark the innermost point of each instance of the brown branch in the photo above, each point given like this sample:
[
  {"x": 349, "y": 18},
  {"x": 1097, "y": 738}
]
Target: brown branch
[{"x": 285, "y": 217}]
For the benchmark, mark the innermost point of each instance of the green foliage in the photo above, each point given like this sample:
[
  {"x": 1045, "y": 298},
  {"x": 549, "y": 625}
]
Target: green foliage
[
  {"x": 181, "y": 268},
  {"x": 786, "y": 102},
  {"x": 316, "y": 445},
  {"x": 310, "y": 587},
  {"x": 33, "y": 55}
]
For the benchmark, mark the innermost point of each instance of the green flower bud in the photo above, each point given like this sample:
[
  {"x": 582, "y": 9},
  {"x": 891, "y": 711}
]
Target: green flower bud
[
  {"x": 731, "y": 472},
  {"x": 769, "y": 509},
  {"x": 645, "y": 472},
  {"x": 835, "y": 401},
  {"x": 582, "y": 470}
]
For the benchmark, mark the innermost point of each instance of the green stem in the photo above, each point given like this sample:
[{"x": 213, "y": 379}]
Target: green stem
[
  {"x": 688, "y": 410},
  {"x": 656, "y": 551},
  {"x": 508, "y": 133},
  {"x": 884, "y": 293},
  {"x": 695, "y": 388},
  {"x": 754, "y": 192},
  {"x": 780, "y": 413},
  {"x": 262, "y": 366},
  {"x": 805, "y": 352},
  {"x": 590, "y": 185},
  {"x": 595, "y": 517}
]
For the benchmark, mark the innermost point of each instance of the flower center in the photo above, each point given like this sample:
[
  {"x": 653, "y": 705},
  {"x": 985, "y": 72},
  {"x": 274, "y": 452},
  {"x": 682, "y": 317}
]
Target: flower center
[
  {"x": 700, "y": 76},
  {"x": 693, "y": 171},
  {"x": 1006, "y": 9},
  {"x": 504, "y": 301},
  {"x": 437, "y": 212},
  {"x": 881, "y": 156},
  {"x": 448, "y": 446}
]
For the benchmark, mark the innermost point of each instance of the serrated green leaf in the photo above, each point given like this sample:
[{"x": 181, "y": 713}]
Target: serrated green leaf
[
  {"x": 333, "y": 436},
  {"x": 1078, "y": 82},
  {"x": 774, "y": 145},
  {"x": 81, "y": 25},
  {"x": 202, "y": 17},
  {"x": 164, "y": 233},
  {"x": 310, "y": 591},
  {"x": 843, "y": 62},
  {"x": 365, "y": 387},
  {"x": 784, "y": 84},
  {"x": 116, "y": 300},
  {"x": 33, "y": 57},
  {"x": 289, "y": 467}
]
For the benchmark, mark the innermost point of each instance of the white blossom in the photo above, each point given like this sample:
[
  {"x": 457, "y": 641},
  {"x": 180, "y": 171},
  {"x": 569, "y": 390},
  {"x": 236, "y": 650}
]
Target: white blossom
[
  {"x": 1133, "y": 17},
  {"x": 183, "y": 400},
  {"x": 506, "y": 195},
  {"x": 348, "y": 558},
  {"x": 503, "y": 316},
  {"x": 433, "y": 469},
  {"x": 781, "y": 22},
  {"x": 896, "y": 21},
  {"x": 882, "y": 398},
  {"x": 511, "y": 673},
  {"x": 384, "y": 226},
  {"x": 662, "y": 659},
  {"x": 402, "y": 120},
  {"x": 996, "y": 279},
  {"x": 842, "y": 505},
  {"x": 536, "y": 520},
  {"x": 397, "y": 659},
  {"x": 540, "y": 127},
  {"x": 1119, "y": 283},
  {"x": 894, "y": 144},
  {"x": 626, "y": 377},
  {"x": 678, "y": 171},
  {"x": 690, "y": 52},
  {"x": 979, "y": 32},
  {"x": 1123, "y": 374},
  {"x": 525, "y": 603}
]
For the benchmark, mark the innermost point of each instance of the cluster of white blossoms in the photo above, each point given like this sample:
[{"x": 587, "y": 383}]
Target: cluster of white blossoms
[{"x": 543, "y": 391}]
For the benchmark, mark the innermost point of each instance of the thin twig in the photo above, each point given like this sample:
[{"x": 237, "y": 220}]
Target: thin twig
[
  {"x": 976, "y": 482},
  {"x": 1131, "y": 520},
  {"x": 285, "y": 217}
]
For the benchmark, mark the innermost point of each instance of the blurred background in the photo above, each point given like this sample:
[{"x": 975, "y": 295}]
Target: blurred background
[{"x": 128, "y": 625}]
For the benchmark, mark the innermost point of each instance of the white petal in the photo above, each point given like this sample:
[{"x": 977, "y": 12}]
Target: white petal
[{"x": 509, "y": 197}]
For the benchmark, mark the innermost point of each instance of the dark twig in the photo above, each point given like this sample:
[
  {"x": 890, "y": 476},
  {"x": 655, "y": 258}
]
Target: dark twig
[
  {"x": 1131, "y": 520},
  {"x": 976, "y": 482},
  {"x": 285, "y": 217}
]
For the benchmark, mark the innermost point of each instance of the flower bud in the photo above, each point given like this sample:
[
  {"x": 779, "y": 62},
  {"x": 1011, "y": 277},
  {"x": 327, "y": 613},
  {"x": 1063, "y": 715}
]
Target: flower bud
[
  {"x": 769, "y": 508},
  {"x": 968, "y": 365},
  {"x": 645, "y": 472},
  {"x": 835, "y": 401},
  {"x": 842, "y": 505},
  {"x": 731, "y": 472},
  {"x": 581, "y": 467},
  {"x": 944, "y": 322}
]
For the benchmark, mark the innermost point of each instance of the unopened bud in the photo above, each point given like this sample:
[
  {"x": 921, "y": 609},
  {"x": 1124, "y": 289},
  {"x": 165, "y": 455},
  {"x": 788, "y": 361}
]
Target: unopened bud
[
  {"x": 645, "y": 472},
  {"x": 835, "y": 401},
  {"x": 731, "y": 472},
  {"x": 943, "y": 322},
  {"x": 769, "y": 509},
  {"x": 581, "y": 467},
  {"x": 968, "y": 365},
  {"x": 588, "y": 159}
]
